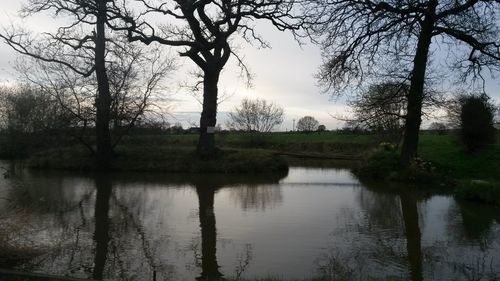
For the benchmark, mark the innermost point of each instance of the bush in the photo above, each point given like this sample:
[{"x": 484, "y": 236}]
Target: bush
[
  {"x": 385, "y": 164},
  {"x": 381, "y": 163},
  {"x": 476, "y": 120}
]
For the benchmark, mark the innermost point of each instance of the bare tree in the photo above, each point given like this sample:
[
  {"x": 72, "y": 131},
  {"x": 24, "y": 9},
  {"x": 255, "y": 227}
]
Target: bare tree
[
  {"x": 203, "y": 29},
  {"x": 79, "y": 45},
  {"x": 307, "y": 124},
  {"x": 83, "y": 44},
  {"x": 256, "y": 115},
  {"x": 363, "y": 37},
  {"x": 382, "y": 108},
  {"x": 135, "y": 76}
]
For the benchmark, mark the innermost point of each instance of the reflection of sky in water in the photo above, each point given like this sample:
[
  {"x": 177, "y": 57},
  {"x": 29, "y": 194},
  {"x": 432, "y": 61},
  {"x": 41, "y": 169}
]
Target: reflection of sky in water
[
  {"x": 297, "y": 228},
  {"x": 320, "y": 176}
]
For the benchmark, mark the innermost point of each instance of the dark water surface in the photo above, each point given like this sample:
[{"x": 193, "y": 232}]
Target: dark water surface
[{"x": 311, "y": 222}]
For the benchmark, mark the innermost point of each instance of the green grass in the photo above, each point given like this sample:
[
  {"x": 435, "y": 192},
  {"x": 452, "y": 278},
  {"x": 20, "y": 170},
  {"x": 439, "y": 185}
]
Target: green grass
[
  {"x": 443, "y": 161},
  {"x": 450, "y": 158},
  {"x": 165, "y": 159},
  {"x": 447, "y": 157},
  {"x": 325, "y": 142}
]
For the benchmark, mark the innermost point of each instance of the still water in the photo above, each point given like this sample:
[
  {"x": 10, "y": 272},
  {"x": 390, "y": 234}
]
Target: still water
[{"x": 311, "y": 222}]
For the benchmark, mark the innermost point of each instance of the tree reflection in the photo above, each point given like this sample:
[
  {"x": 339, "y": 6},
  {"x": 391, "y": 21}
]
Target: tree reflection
[
  {"x": 399, "y": 208},
  {"x": 413, "y": 235},
  {"x": 209, "y": 265},
  {"x": 386, "y": 237},
  {"x": 251, "y": 191},
  {"x": 114, "y": 227},
  {"x": 101, "y": 216},
  {"x": 257, "y": 197},
  {"x": 476, "y": 221}
]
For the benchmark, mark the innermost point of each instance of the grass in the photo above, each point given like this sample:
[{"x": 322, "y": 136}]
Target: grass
[
  {"x": 442, "y": 156},
  {"x": 165, "y": 159},
  {"x": 450, "y": 159},
  {"x": 442, "y": 162},
  {"x": 325, "y": 142}
]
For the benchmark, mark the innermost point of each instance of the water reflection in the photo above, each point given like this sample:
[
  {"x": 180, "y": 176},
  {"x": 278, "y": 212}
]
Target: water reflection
[
  {"x": 208, "y": 227},
  {"x": 101, "y": 233},
  {"x": 413, "y": 236},
  {"x": 476, "y": 221},
  {"x": 210, "y": 268}
]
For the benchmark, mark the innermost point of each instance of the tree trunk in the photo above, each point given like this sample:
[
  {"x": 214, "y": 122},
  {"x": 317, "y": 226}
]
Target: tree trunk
[
  {"x": 206, "y": 142},
  {"x": 103, "y": 100},
  {"x": 416, "y": 94}
]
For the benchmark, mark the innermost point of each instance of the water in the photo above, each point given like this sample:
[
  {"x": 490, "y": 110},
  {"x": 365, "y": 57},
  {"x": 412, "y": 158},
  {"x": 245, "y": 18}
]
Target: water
[{"x": 311, "y": 222}]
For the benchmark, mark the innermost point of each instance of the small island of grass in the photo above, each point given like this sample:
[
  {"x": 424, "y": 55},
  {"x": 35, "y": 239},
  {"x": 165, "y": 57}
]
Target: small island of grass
[{"x": 164, "y": 159}]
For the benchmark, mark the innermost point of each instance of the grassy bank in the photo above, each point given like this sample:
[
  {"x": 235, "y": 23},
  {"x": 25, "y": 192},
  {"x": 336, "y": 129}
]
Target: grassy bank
[
  {"x": 164, "y": 159},
  {"x": 325, "y": 142},
  {"x": 442, "y": 161}
]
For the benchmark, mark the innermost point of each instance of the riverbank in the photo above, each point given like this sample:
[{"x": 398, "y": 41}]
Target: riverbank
[
  {"x": 442, "y": 159},
  {"x": 164, "y": 159},
  {"x": 442, "y": 164}
]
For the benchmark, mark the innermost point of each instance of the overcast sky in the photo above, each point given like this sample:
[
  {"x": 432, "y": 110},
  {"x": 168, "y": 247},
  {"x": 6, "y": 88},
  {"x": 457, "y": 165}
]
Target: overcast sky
[{"x": 283, "y": 74}]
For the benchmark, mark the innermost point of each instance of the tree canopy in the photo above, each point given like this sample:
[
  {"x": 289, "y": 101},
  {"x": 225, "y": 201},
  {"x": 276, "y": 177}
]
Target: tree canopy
[{"x": 373, "y": 38}]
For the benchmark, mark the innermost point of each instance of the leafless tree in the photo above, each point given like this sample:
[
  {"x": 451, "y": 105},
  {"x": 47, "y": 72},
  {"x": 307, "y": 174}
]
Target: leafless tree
[
  {"x": 382, "y": 108},
  {"x": 135, "y": 76},
  {"x": 80, "y": 45},
  {"x": 307, "y": 124},
  {"x": 364, "y": 37},
  {"x": 256, "y": 115},
  {"x": 203, "y": 30}
]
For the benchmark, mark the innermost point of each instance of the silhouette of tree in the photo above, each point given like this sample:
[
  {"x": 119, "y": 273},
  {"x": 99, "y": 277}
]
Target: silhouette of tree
[
  {"x": 307, "y": 124},
  {"x": 364, "y": 38},
  {"x": 135, "y": 76},
  {"x": 204, "y": 30},
  {"x": 256, "y": 115},
  {"x": 382, "y": 108},
  {"x": 476, "y": 121},
  {"x": 79, "y": 45}
]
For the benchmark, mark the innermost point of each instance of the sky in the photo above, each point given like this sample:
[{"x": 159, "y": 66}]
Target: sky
[{"x": 283, "y": 74}]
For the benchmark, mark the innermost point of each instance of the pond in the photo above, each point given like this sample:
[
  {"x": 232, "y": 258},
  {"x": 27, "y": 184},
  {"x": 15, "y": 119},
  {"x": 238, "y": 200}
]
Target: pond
[{"x": 311, "y": 222}]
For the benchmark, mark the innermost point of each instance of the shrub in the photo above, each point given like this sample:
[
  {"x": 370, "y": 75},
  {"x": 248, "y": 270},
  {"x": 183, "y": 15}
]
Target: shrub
[
  {"x": 476, "y": 122},
  {"x": 381, "y": 163}
]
